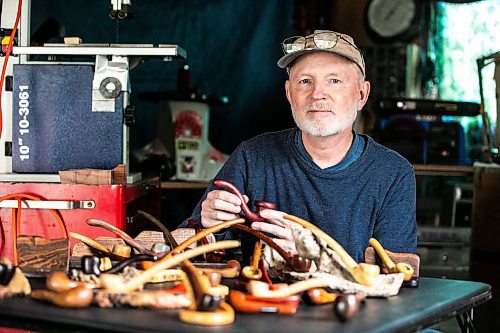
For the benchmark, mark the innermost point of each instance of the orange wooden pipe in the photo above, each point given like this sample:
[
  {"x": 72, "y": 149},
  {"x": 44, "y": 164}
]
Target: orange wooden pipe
[
  {"x": 77, "y": 297},
  {"x": 246, "y": 303},
  {"x": 58, "y": 281}
]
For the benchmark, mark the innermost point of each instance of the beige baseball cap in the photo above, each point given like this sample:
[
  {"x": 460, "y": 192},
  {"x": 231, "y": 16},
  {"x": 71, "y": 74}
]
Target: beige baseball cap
[{"x": 321, "y": 41}]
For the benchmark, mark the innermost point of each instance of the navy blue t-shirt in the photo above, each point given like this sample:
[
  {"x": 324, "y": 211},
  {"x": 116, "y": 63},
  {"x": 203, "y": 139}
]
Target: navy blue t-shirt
[{"x": 374, "y": 195}]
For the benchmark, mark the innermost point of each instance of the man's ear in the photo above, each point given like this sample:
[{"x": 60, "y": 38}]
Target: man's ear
[
  {"x": 287, "y": 91},
  {"x": 364, "y": 92}
]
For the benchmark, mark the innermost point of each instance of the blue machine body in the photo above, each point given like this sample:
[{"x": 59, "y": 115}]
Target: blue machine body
[{"x": 53, "y": 125}]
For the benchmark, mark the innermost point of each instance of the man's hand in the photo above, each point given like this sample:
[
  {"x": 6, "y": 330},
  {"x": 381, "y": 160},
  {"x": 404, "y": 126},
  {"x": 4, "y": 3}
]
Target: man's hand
[
  {"x": 220, "y": 206},
  {"x": 279, "y": 227}
]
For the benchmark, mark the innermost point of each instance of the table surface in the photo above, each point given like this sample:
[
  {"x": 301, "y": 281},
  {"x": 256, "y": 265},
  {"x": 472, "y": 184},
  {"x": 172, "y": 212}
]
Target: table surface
[{"x": 433, "y": 301}]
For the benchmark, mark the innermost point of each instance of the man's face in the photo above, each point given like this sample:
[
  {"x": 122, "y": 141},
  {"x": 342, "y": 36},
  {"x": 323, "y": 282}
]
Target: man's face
[{"x": 325, "y": 93}]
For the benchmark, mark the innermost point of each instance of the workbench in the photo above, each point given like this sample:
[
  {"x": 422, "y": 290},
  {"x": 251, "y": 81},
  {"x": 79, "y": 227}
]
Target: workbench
[{"x": 435, "y": 300}]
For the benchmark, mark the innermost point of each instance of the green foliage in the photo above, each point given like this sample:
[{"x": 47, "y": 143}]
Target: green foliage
[{"x": 461, "y": 34}]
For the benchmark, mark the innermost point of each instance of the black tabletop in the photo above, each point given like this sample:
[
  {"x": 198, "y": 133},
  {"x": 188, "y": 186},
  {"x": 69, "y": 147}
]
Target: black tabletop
[{"x": 433, "y": 301}]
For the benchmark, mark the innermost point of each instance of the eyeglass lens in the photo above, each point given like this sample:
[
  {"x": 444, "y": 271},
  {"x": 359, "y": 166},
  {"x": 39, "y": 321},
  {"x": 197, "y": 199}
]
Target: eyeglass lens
[
  {"x": 293, "y": 44},
  {"x": 325, "y": 40}
]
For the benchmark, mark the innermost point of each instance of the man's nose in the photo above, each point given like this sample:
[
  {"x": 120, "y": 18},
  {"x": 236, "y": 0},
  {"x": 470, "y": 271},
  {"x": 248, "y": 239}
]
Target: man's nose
[{"x": 318, "y": 91}]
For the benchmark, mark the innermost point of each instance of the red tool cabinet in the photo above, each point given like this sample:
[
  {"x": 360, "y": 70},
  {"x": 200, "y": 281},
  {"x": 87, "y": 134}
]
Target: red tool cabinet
[{"x": 115, "y": 204}]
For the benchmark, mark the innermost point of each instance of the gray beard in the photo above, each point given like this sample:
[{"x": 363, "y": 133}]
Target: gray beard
[{"x": 317, "y": 128}]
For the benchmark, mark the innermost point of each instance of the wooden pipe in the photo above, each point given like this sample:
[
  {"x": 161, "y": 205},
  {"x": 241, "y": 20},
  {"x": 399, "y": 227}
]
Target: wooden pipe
[
  {"x": 294, "y": 261},
  {"x": 120, "y": 233},
  {"x": 401, "y": 267},
  {"x": 204, "y": 297},
  {"x": 122, "y": 250},
  {"x": 251, "y": 304},
  {"x": 199, "y": 235},
  {"x": 77, "y": 297},
  {"x": 58, "y": 281},
  {"x": 347, "y": 306},
  {"x": 319, "y": 296},
  {"x": 230, "y": 271},
  {"x": 406, "y": 269},
  {"x": 115, "y": 283},
  {"x": 261, "y": 205},
  {"x": 250, "y": 215},
  {"x": 105, "y": 264},
  {"x": 91, "y": 264},
  {"x": 224, "y": 315},
  {"x": 253, "y": 271},
  {"x": 166, "y": 233},
  {"x": 262, "y": 289},
  {"x": 207, "y": 308},
  {"x": 96, "y": 246},
  {"x": 364, "y": 274},
  {"x": 7, "y": 271},
  {"x": 204, "y": 285},
  {"x": 215, "y": 278},
  {"x": 216, "y": 256},
  {"x": 161, "y": 248}
]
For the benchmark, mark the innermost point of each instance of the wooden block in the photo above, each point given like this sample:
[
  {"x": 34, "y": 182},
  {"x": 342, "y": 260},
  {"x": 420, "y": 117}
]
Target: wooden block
[
  {"x": 149, "y": 237},
  {"x": 72, "y": 40},
  {"x": 81, "y": 249},
  {"x": 40, "y": 256},
  {"x": 94, "y": 176},
  {"x": 371, "y": 257}
]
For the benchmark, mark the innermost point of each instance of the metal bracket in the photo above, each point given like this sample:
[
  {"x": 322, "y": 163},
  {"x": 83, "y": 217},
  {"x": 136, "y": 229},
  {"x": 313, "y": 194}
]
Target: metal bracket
[{"x": 49, "y": 204}]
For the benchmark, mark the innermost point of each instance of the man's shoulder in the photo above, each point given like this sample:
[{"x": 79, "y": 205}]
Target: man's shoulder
[
  {"x": 385, "y": 154},
  {"x": 270, "y": 137}
]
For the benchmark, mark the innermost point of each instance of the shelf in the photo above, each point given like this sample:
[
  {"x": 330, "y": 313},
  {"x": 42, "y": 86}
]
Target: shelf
[
  {"x": 442, "y": 170},
  {"x": 174, "y": 185},
  {"x": 420, "y": 170}
]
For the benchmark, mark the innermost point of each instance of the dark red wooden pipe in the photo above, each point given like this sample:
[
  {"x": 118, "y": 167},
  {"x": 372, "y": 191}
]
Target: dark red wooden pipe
[{"x": 250, "y": 215}]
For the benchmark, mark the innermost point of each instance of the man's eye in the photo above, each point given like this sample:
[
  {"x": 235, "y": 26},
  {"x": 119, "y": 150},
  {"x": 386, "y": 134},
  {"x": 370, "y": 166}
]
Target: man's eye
[
  {"x": 334, "y": 80},
  {"x": 304, "y": 81}
]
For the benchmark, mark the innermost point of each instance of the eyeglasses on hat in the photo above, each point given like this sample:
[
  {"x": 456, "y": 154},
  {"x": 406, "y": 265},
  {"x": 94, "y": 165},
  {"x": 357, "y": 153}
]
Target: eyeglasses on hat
[{"x": 321, "y": 40}]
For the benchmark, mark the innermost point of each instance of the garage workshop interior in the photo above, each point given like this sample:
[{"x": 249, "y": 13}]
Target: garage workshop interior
[{"x": 249, "y": 166}]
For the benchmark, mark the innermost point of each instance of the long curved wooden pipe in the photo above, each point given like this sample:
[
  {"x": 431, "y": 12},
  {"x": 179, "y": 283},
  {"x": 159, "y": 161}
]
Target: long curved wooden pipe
[
  {"x": 199, "y": 235},
  {"x": 123, "y": 235},
  {"x": 364, "y": 274},
  {"x": 249, "y": 214},
  {"x": 115, "y": 283},
  {"x": 295, "y": 262},
  {"x": 216, "y": 256}
]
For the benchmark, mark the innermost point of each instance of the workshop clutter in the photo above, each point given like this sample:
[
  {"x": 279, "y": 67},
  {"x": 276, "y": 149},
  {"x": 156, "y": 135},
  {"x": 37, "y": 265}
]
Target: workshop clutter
[
  {"x": 186, "y": 278},
  {"x": 36, "y": 255},
  {"x": 75, "y": 203},
  {"x": 196, "y": 158},
  {"x": 195, "y": 288}
]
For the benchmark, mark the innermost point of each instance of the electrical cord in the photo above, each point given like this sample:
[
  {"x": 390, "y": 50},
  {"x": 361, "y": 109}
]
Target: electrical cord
[
  {"x": 16, "y": 219},
  {"x": 6, "y": 60}
]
